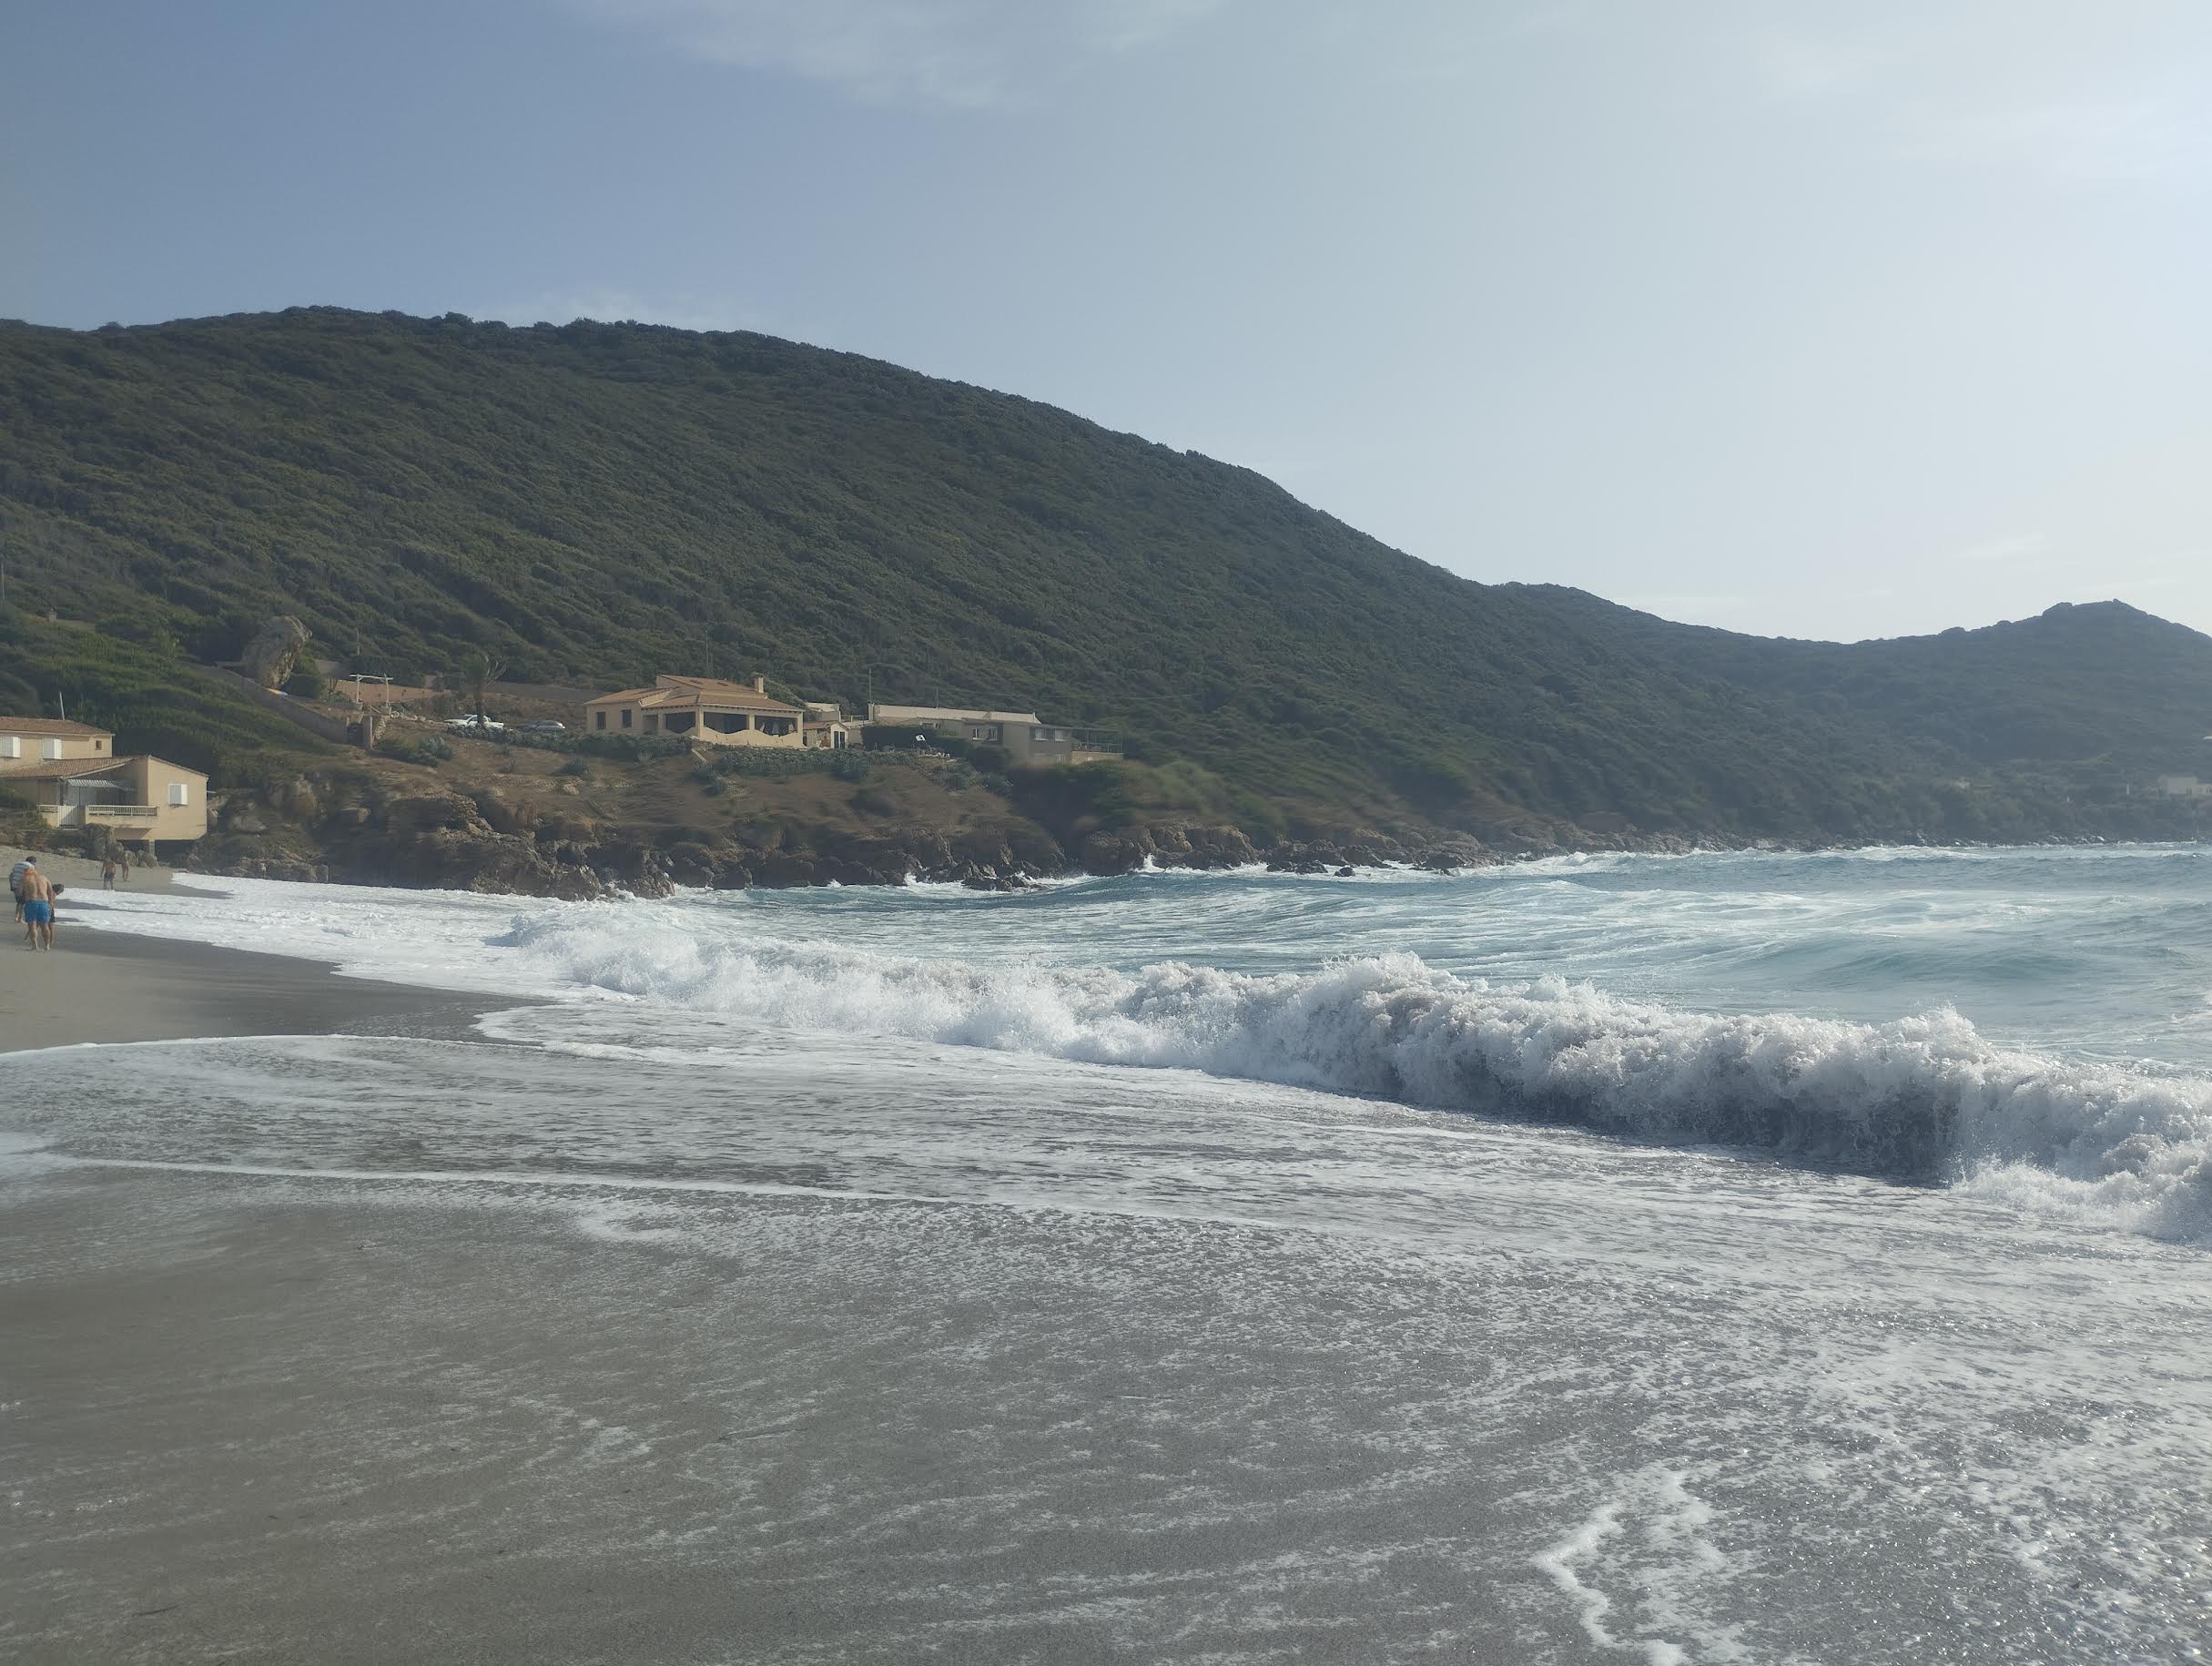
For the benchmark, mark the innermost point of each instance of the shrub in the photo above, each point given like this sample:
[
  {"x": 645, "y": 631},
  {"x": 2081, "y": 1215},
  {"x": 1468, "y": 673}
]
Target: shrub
[
  {"x": 779, "y": 763},
  {"x": 894, "y": 738},
  {"x": 628, "y": 748},
  {"x": 429, "y": 751}
]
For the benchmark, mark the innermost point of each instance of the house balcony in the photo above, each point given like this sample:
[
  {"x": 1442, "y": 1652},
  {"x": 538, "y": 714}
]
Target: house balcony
[{"x": 81, "y": 815}]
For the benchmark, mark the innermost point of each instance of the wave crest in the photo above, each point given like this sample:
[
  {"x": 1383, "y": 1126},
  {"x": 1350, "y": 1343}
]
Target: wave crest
[{"x": 1924, "y": 1098}]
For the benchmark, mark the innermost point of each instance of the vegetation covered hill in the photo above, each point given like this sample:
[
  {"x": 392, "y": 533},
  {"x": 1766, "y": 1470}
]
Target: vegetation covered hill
[{"x": 601, "y": 503}]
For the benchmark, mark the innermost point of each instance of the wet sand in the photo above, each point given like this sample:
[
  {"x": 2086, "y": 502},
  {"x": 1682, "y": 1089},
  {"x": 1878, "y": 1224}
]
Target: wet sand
[
  {"x": 276, "y": 1421},
  {"x": 106, "y": 986},
  {"x": 98, "y": 984}
]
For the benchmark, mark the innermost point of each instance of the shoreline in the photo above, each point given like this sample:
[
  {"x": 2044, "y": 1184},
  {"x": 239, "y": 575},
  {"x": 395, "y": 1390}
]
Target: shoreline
[
  {"x": 652, "y": 880},
  {"x": 638, "y": 867},
  {"x": 103, "y": 988}
]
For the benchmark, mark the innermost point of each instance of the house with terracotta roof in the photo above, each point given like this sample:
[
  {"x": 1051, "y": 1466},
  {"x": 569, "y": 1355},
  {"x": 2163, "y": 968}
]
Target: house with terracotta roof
[
  {"x": 705, "y": 710},
  {"x": 71, "y": 773}
]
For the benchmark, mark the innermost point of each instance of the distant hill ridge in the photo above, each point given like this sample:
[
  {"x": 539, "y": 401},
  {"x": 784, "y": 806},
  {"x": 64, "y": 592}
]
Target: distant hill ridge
[{"x": 606, "y": 502}]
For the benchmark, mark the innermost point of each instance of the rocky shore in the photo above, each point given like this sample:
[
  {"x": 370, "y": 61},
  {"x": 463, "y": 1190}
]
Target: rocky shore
[
  {"x": 454, "y": 836},
  {"x": 479, "y": 840}
]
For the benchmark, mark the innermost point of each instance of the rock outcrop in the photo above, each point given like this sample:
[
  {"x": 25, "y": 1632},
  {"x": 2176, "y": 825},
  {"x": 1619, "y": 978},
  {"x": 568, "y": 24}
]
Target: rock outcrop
[{"x": 274, "y": 651}]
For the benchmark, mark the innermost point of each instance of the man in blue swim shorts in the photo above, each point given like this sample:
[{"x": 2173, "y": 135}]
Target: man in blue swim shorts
[{"x": 36, "y": 894}]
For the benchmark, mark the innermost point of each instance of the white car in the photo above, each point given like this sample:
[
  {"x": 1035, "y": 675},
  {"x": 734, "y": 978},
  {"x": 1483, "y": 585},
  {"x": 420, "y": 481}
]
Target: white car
[{"x": 483, "y": 725}]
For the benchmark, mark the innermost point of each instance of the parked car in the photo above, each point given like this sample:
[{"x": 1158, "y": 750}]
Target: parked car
[
  {"x": 544, "y": 725},
  {"x": 481, "y": 725}
]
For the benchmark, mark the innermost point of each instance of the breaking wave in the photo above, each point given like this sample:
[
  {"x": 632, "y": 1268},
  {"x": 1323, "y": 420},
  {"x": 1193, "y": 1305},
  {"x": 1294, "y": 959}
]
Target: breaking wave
[{"x": 1925, "y": 1098}]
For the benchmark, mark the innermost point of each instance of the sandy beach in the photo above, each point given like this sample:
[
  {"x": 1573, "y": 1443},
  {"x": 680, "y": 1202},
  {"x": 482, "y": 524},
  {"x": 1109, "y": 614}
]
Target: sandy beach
[{"x": 101, "y": 985}]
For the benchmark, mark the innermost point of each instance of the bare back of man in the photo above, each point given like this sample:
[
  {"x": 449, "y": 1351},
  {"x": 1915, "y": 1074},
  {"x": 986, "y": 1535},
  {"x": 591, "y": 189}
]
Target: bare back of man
[{"x": 36, "y": 892}]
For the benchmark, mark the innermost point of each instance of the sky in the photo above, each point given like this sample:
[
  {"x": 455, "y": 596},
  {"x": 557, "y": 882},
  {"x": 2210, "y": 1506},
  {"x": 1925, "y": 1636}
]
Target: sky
[{"x": 1834, "y": 321}]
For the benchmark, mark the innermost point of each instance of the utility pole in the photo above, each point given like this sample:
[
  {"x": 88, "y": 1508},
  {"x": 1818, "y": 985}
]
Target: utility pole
[{"x": 872, "y": 667}]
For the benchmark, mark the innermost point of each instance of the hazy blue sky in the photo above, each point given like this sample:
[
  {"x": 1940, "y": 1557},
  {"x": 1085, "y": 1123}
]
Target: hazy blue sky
[{"x": 1839, "y": 321}]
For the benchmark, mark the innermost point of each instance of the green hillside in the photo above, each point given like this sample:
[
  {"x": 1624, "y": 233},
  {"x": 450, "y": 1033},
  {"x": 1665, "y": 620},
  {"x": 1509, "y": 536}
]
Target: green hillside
[{"x": 606, "y": 502}]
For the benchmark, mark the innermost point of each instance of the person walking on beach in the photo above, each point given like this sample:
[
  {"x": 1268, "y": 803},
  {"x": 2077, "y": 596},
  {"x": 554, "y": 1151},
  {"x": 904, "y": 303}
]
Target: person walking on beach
[
  {"x": 107, "y": 872},
  {"x": 15, "y": 882},
  {"x": 122, "y": 862},
  {"x": 36, "y": 897}
]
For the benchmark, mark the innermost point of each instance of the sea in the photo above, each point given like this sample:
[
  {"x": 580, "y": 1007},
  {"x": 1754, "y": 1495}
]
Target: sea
[{"x": 1745, "y": 1256}]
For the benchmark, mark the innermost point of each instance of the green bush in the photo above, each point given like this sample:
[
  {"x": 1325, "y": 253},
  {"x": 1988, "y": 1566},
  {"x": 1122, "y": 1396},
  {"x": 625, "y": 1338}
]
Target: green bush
[
  {"x": 779, "y": 763},
  {"x": 429, "y": 750},
  {"x": 622, "y": 748},
  {"x": 894, "y": 738}
]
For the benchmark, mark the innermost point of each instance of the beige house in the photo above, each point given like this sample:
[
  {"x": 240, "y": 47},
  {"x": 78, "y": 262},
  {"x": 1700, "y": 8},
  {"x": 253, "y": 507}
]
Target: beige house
[
  {"x": 1027, "y": 737},
  {"x": 702, "y": 710},
  {"x": 70, "y": 771},
  {"x": 824, "y": 726},
  {"x": 51, "y": 740}
]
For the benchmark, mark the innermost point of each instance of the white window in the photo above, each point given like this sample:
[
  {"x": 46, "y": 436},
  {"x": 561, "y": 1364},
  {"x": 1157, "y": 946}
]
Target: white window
[
  {"x": 11, "y": 745},
  {"x": 50, "y": 747},
  {"x": 179, "y": 793}
]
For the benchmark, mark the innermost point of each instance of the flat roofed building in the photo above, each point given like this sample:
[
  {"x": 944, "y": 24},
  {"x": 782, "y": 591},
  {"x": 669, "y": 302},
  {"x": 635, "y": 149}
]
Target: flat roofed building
[
  {"x": 824, "y": 726},
  {"x": 704, "y": 709},
  {"x": 1027, "y": 737}
]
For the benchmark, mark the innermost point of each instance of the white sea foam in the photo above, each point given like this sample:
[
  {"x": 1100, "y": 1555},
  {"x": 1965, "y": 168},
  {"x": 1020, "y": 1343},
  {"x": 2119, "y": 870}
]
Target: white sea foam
[
  {"x": 1930, "y": 1097},
  {"x": 1667, "y": 1563},
  {"x": 1926, "y": 1097}
]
